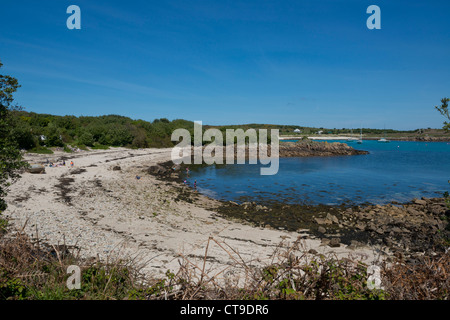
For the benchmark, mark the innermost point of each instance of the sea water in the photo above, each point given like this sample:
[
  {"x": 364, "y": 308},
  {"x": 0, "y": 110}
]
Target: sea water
[{"x": 398, "y": 171}]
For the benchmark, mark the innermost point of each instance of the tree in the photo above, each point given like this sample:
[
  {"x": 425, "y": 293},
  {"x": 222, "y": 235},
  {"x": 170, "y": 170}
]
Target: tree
[
  {"x": 87, "y": 139},
  {"x": 10, "y": 156},
  {"x": 443, "y": 109}
]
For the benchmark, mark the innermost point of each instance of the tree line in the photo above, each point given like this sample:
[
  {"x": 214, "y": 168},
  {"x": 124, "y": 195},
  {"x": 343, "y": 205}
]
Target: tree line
[{"x": 34, "y": 131}]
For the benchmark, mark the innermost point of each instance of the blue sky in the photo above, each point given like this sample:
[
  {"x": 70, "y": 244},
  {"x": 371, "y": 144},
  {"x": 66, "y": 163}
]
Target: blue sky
[{"x": 311, "y": 63}]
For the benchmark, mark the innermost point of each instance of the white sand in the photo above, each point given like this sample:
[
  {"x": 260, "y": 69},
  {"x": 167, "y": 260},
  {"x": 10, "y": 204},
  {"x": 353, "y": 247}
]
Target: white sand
[{"x": 112, "y": 214}]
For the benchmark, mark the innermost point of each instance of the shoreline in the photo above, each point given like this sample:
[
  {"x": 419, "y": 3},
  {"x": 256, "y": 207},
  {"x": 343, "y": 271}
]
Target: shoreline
[
  {"x": 356, "y": 137},
  {"x": 102, "y": 210},
  {"x": 408, "y": 228}
]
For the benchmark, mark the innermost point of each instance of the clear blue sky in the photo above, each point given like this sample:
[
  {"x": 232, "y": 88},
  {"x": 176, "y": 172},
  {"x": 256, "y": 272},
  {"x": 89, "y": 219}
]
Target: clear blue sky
[{"x": 311, "y": 63}]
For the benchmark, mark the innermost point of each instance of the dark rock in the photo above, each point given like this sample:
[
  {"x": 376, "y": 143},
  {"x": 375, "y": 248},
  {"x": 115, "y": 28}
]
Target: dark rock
[
  {"x": 157, "y": 170},
  {"x": 361, "y": 225},
  {"x": 335, "y": 242},
  {"x": 116, "y": 168}
]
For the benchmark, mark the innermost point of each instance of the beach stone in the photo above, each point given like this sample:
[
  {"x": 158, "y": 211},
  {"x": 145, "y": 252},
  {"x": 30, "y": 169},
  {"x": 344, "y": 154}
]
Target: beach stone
[
  {"x": 412, "y": 211},
  {"x": 333, "y": 218},
  {"x": 321, "y": 221},
  {"x": 421, "y": 202},
  {"x": 156, "y": 170},
  {"x": 36, "y": 168},
  {"x": 335, "y": 242},
  {"x": 116, "y": 168},
  {"x": 437, "y": 209},
  {"x": 361, "y": 226},
  {"x": 396, "y": 230},
  {"x": 322, "y": 229}
]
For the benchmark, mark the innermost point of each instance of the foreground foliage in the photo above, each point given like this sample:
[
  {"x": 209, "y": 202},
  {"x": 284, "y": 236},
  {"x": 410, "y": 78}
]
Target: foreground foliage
[
  {"x": 10, "y": 156},
  {"x": 31, "y": 271}
]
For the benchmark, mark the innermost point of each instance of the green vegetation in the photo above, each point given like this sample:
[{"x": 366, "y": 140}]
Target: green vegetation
[
  {"x": 443, "y": 109},
  {"x": 10, "y": 156},
  {"x": 39, "y": 131},
  {"x": 288, "y": 130}
]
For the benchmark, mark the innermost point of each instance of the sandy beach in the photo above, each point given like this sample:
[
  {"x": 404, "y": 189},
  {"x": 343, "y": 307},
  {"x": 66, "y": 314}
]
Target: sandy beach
[{"x": 99, "y": 208}]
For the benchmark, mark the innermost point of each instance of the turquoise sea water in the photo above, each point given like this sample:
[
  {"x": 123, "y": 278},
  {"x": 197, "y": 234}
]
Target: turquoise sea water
[{"x": 396, "y": 171}]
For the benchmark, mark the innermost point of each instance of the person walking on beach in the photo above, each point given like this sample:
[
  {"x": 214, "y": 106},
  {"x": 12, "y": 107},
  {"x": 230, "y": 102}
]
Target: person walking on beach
[
  {"x": 71, "y": 164},
  {"x": 195, "y": 185}
]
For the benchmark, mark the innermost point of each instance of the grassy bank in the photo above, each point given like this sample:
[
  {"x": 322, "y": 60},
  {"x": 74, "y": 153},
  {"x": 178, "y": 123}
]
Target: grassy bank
[{"x": 29, "y": 270}]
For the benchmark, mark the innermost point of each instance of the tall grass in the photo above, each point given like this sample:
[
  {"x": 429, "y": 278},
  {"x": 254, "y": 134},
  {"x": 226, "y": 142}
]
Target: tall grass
[{"x": 31, "y": 270}]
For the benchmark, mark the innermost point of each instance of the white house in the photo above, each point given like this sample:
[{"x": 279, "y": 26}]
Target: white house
[{"x": 297, "y": 131}]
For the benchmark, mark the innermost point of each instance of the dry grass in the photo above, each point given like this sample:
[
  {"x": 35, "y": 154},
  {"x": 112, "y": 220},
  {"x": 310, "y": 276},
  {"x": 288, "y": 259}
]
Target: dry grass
[
  {"x": 30, "y": 270},
  {"x": 426, "y": 278}
]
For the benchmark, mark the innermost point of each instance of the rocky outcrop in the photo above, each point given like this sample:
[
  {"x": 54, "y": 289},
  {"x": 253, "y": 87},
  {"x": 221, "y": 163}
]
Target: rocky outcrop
[
  {"x": 301, "y": 148},
  {"x": 419, "y": 226},
  {"x": 166, "y": 170},
  {"x": 308, "y": 148},
  {"x": 431, "y": 139}
]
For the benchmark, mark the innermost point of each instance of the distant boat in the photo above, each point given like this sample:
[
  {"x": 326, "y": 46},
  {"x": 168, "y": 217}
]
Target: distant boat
[
  {"x": 351, "y": 138},
  {"x": 360, "y": 138},
  {"x": 384, "y": 139}
]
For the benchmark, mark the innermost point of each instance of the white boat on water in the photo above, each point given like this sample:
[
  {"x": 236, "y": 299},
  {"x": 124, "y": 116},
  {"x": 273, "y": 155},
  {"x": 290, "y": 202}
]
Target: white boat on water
[
  {"x": 360, "y": 138},
  {"x": 384, "y": 139}
]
